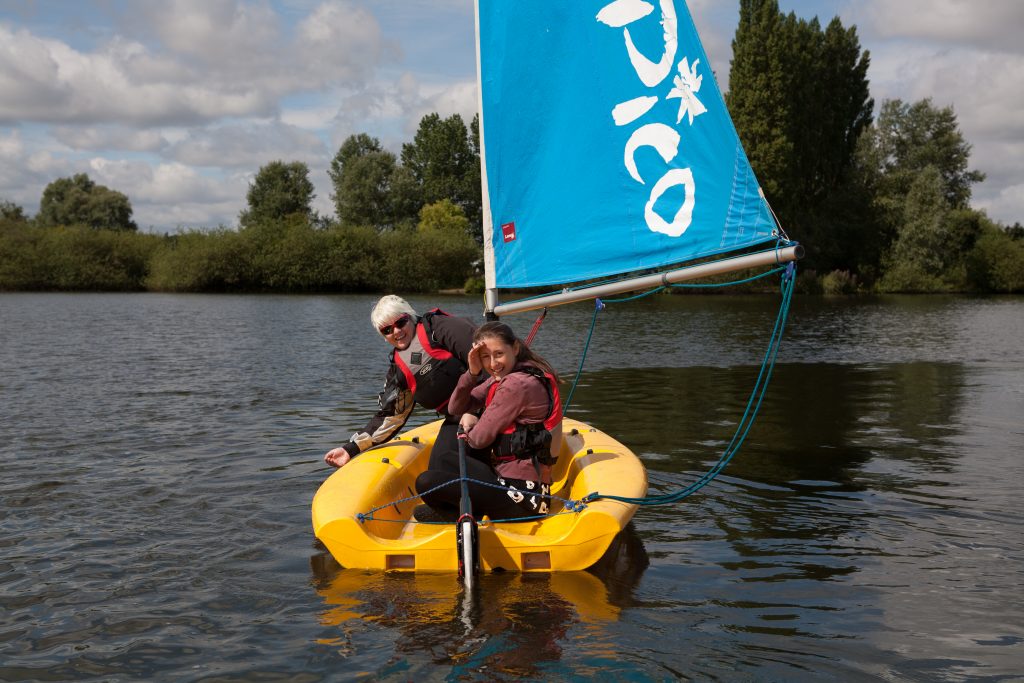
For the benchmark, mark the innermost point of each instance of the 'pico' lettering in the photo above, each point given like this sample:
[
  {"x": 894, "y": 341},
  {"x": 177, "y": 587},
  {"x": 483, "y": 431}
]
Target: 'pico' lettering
[{"x": 662, "y": 137}]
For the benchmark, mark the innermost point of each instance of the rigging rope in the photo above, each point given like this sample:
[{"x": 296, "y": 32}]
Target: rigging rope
[
  {"x": 536, "y": 326},
  {"x": 749, "y": 413}
]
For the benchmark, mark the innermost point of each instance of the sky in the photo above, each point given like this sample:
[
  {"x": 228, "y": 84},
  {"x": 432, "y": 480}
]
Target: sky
[{"x": 178, "y": 103}]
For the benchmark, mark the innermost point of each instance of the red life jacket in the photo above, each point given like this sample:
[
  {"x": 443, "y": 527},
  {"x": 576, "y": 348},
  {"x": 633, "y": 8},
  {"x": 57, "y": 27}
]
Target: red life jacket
[
  {"x": 529, "y": 441},
  {"x": 430, "y": 371}
]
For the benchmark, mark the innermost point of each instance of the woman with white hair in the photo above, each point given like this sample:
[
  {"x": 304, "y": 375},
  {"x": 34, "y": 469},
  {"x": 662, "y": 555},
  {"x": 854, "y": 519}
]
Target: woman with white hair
[{"x": 429, "y": 355}]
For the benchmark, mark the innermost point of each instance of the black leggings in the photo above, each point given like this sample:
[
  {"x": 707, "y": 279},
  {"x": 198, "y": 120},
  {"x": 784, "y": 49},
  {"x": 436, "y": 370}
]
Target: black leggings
[
  {"x": 493, "y": 502},
  {"x": 446, "y": 447}
]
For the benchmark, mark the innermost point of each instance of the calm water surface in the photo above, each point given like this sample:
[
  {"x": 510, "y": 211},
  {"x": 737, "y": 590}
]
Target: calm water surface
[{"x": 160, "y": 453}]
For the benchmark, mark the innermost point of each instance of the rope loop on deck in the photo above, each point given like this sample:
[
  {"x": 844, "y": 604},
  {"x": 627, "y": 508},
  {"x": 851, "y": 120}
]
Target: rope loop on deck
[{"x": 569, "y": 506}]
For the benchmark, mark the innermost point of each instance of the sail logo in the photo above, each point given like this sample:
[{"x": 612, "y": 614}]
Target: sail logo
[
  {"x": 663, "y": 138},
  {"x": 508, "y": 231}
]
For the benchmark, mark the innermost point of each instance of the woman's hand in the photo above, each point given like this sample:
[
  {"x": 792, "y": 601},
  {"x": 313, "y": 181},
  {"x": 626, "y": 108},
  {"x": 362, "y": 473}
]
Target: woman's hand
[
  {"x": 337, "y": 457},
  {"x": 468, "y": 421},
  {"x": 476, "y": 364}
]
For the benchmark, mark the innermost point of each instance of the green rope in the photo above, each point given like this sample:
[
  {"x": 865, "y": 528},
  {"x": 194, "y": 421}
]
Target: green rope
[
  {"x": 698, "y": 285},
  {"x": 749, "y": 413},
  {"x": 599, "y": 305}
]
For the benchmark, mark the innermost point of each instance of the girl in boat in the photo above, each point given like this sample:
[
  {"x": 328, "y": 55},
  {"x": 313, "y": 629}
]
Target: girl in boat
[
  {"x": 428, "y": 357},
  {"x": 520, "y": 427}
]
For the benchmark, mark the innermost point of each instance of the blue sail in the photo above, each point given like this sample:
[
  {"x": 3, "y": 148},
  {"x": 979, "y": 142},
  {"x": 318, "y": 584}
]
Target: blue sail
[{"x": 607, "y": 147}]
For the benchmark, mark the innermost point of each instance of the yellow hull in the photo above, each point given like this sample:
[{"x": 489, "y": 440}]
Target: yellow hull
[{"x": 590, "y": 461}]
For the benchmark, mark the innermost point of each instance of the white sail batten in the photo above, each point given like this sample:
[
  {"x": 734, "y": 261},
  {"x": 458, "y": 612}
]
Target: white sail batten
[{"x": 730, "y": 265}]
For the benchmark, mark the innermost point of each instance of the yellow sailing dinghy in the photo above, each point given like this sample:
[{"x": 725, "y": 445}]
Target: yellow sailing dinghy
[
  {"x": 590, "y": 461},
  {"x": 606, "y": 151}
]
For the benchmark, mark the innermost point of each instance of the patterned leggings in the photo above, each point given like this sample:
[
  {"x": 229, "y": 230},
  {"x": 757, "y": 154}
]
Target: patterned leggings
[{"x": 495, "y": 503}]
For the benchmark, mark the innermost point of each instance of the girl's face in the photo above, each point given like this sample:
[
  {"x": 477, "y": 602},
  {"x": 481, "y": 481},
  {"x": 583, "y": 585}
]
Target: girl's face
[{"x": 498, "y": 358}]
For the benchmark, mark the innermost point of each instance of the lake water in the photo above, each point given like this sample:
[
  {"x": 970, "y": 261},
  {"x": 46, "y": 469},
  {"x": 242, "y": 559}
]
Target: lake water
[{"x": 160, "y": 453}]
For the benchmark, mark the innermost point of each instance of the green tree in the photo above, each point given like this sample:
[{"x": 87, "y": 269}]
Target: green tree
[
  {"x": 363, "y": 175},
  {"x": 919, "y": 254},
  {"x": 406, "y": 198},
  {"x": 443, "y": 217},
  {"x": 9, "y": 211},
  {"x": 79, "y": 201},
  {"x": 799, "y": 98},
  {"x": 280, "y": 190},
  {"x": 996, "y": 263},
  {"x": 473, "y": 190},
  {"x": 911, "y": 137},
  {"x": 914, "y": 164},
  {"x": 444, "y": 159},
  {"x": 757, "y": 99}
]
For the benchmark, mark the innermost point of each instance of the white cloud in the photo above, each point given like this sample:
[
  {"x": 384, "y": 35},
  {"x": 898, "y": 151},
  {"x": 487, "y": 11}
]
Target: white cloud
[
  {"x": 224, "y": 35},
  {"x": 1004, "y": 205},
  {"x": 11, "y": 145},
  {"x": 110, "y": 138},
  {"x": 172, "y": 194},
  {"x": 25, "y": 170},
  {"x": 212, "y": 59},
  {"x": 988, "y": 25},
  {"x": 445, "y": 99},
  {"x": 247, "y": 145}
]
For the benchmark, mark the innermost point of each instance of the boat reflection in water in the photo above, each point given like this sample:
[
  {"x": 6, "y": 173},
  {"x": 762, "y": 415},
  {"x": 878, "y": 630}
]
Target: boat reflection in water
[{"x": 513, "y": 621}]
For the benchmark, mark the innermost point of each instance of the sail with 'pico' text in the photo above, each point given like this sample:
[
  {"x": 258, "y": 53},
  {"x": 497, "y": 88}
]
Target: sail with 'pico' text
[{"x": 606, "y": 145}]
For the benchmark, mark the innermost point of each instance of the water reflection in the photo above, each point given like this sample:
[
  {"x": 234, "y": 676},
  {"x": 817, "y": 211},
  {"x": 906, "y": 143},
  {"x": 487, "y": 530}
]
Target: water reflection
[
  {"x": 680, "y": 419},
  {"x": 791, "y": 506},
  {"x": 514, "y": 625}
]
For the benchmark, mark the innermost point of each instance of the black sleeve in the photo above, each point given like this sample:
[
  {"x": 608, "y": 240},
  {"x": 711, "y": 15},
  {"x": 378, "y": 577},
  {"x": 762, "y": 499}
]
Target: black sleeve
[{"x": 453, "y": 334}]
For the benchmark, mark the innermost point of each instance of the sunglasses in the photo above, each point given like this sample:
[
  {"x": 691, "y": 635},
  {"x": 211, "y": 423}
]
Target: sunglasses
[{"x": 397, "y": 325}]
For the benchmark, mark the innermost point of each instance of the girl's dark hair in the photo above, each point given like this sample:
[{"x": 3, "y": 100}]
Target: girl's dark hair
[{"x": 503, "y": 332}]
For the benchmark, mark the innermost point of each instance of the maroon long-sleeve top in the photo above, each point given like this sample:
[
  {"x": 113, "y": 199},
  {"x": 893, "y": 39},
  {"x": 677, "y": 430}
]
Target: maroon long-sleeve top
[{"x": 520, "y": 397}]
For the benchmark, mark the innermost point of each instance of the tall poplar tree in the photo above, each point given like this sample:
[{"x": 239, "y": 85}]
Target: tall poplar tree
[{"x": 799, "y": 98}]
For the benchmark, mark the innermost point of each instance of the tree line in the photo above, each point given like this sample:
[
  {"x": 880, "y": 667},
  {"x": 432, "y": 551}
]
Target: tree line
[
  {"x": 880, "y": 204},
  {"x": 407, "y": 225}
]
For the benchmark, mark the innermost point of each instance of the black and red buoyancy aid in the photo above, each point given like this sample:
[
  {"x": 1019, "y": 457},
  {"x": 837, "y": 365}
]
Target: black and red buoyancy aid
[
  {"x": 430, "y": 371},
  {"x": 530, "y": 441}
]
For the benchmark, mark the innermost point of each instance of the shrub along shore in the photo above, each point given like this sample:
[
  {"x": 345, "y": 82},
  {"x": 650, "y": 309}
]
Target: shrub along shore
[
  {"x": 289, "y": 257},
  {"x": 295, "y": 256}
]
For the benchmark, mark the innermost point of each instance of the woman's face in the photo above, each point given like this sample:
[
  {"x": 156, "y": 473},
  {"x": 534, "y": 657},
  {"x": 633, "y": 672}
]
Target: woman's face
[
  {"x": 399, "y": 332},
  {"x": 498, "y": 358}
]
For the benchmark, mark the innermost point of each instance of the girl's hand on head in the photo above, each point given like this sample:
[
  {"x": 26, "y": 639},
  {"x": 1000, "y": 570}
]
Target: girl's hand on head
[{"x": 476, "y": 365}]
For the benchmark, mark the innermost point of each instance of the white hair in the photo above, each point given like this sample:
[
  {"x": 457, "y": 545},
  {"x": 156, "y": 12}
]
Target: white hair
[{"x": 389, "y": 309}]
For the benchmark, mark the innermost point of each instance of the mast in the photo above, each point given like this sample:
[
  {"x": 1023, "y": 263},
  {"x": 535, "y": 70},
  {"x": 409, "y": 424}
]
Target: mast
[{"x": 491, "y": 291}]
